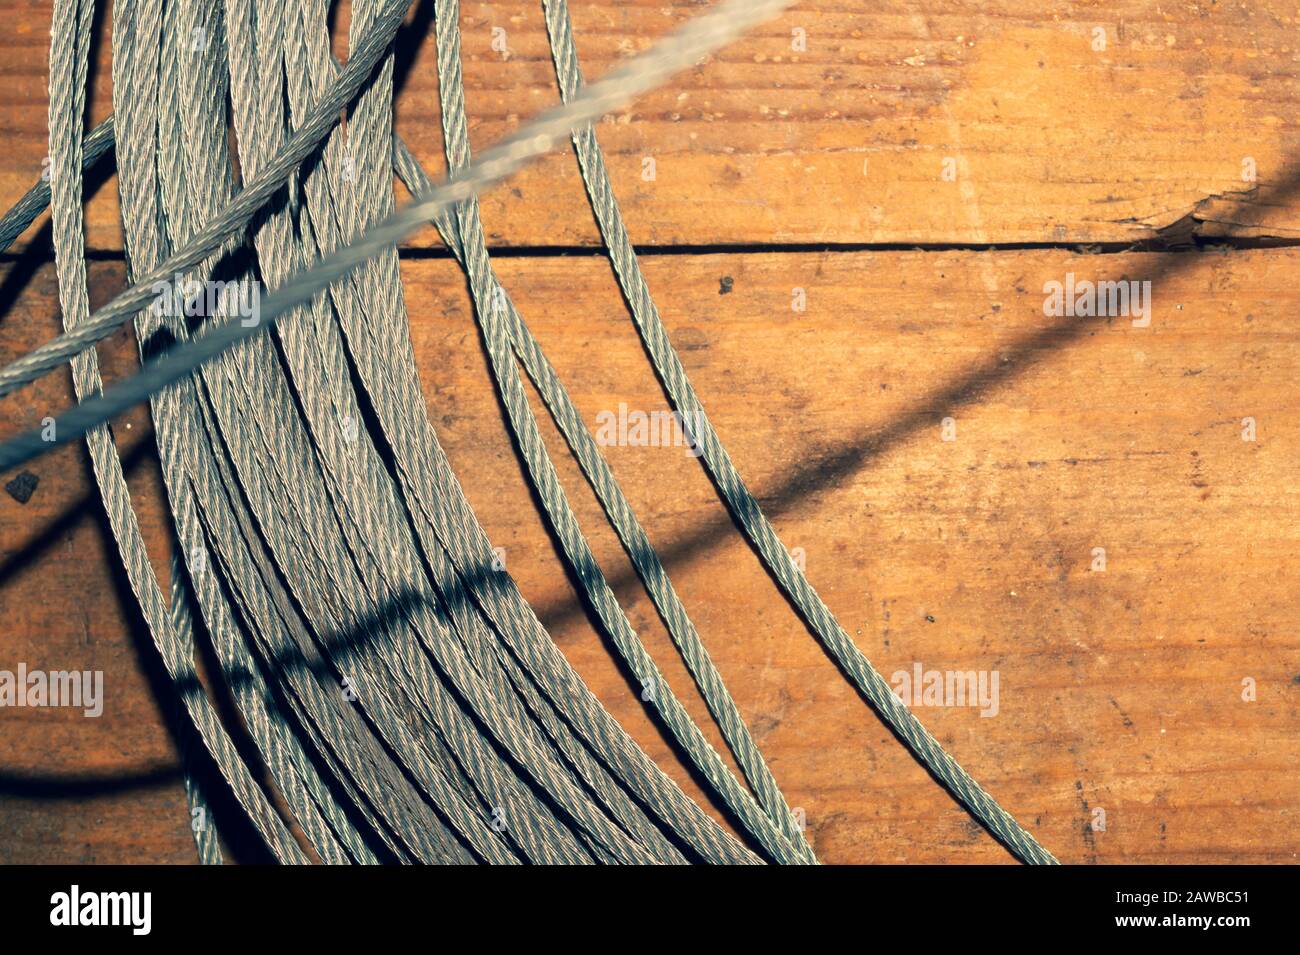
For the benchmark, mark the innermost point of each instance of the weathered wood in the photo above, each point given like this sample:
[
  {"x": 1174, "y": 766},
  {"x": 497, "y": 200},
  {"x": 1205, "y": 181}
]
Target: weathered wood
[
  {"x": 1120, "y": 690},
  {"x": 1047, "y": 139},
  {"x": 72, "y": 788}
]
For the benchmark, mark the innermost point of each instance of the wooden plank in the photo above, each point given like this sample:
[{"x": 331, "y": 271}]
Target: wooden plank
[
  {"x": 72, "y": 788},
  {"x": 1120, "y": 690},
  {"x": 848, "y": 140}
]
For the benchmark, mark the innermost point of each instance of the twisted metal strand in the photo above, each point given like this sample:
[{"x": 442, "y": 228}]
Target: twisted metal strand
[
  {"x": 738, "y": 497},
  {"x": 202, "y": 825},
  {"x": 69, "y": 53},
  {"x": 696, "y": 39},
  {"x": 707, "y": 30},
  {"x": 193, "y": 179},
  {"x": 486, "y": 703},
  {"x": 541, "y": 469},
  {"x": 221, "y": 228},
  {"x": 278, "y": 253},
  {"x": 553, "y": 702},
  {"x": 35, "y": 200},
  {"x": 465, "y": 678}
]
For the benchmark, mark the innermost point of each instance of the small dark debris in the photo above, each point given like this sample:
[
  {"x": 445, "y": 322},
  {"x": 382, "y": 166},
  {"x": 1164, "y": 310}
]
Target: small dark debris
[
  {"x": 726, "y": 284},
  {"x": 23, "y": 487},
  {"x": 929, "y": 618}
]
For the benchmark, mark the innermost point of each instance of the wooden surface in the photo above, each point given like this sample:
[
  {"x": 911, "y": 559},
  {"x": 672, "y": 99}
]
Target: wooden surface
[
  {"x": 1120, "y": 690},
  {"x": 845, "y": 142}
]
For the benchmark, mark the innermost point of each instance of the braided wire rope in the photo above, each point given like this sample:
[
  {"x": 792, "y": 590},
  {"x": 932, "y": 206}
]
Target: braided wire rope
[
  {"x": 185, "y": 182},
  {"x": 69, "y": 55},
  {"x": 743, "y": 505},
  {"x": 468, "y": 715},
  {"x": 773, "y": 824}
]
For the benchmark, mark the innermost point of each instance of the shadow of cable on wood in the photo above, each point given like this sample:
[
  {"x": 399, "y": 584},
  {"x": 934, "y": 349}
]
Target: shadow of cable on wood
[
  {"x": 85, "y": 785},
  {"x": 828, "y": 465},
  {"x": 820, "y": 468}
]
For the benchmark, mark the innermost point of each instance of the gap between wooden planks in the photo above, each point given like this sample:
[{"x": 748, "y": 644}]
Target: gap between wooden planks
[{"x": 1120, "y": 690}]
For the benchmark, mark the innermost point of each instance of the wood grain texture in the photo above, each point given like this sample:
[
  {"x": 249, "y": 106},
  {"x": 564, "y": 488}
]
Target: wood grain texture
[
  {"x": 1120, "y": 690},
  {"x": 847, "y": 141},
  {"x": 72, "y": 788}
]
